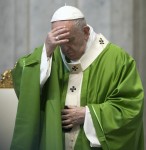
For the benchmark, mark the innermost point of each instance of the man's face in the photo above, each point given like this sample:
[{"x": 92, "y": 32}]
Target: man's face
[{"x": 75, "y": 48}]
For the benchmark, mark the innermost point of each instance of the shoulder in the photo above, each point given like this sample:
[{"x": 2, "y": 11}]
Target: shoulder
[
  {"x": 33, "y": 57},
  {"x": 117, "y": 50},
  {"x": 118, "y": 53},
  {"x": 115, "y": 57}
]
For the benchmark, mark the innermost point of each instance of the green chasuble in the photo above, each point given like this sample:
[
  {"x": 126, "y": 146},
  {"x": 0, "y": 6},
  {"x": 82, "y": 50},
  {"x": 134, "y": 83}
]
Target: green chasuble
[{"x": 111, "y": 88}]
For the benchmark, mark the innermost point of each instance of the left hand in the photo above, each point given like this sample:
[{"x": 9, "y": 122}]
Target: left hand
[{"x": 72, "y": 116}]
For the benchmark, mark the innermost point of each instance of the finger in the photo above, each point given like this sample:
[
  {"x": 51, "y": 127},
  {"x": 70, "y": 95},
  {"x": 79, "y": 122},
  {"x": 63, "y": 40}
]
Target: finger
[
  {"x": 62, "y": 36},
  {"x": 58, "y": 28},
  {"x": 65, "y": 111},
  {"x": 67, "y": 126},
  {"x": 66, "y": 122},
  {"x": 60, "y": 31},
  {"x": 65, "y": 117},
  {"x": 62, "y": 42}
]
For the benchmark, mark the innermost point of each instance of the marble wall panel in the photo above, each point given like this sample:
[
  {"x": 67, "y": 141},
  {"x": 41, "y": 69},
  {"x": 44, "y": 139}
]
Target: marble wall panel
[
  {"x": 22, "y": 28},
  {"x": 7, "y": 34},
  {"x": 97, "y": 13},
  {"x": 122, "y": 24}
]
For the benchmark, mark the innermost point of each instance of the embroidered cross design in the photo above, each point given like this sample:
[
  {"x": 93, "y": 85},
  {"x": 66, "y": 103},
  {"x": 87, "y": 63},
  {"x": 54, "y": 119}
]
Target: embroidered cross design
[
  {"x": 74, "y": 68},
  {"x": 101, "y": 41},
  {"x": 73, "y": 89}
]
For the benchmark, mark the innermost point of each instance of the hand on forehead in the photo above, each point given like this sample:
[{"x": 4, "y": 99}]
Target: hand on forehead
[{"x": 66, "y": 24}]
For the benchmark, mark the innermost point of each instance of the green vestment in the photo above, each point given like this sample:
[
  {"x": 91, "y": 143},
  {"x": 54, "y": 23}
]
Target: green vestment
[{"x": 111, "y": 88}]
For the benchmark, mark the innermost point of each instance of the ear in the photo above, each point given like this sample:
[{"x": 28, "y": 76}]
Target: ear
[{"x": 86, "y": 30}]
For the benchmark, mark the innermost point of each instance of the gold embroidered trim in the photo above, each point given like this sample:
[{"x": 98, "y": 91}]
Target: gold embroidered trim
[{"x": 6, "y": 80}]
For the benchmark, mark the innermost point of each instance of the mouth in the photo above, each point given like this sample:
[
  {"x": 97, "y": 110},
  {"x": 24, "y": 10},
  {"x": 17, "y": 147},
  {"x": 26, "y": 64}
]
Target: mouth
[{"x": 69, "y": 53}]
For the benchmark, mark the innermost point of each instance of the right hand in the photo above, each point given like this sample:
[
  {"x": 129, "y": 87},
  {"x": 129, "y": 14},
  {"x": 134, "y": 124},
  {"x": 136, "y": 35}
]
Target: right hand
[
  {"x": 72, "y": 116},
  {"x": 56, "y": 36}
]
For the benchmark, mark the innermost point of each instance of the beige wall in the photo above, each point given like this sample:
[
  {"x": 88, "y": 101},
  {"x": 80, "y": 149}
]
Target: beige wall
[{"x": 24, "y": 25}]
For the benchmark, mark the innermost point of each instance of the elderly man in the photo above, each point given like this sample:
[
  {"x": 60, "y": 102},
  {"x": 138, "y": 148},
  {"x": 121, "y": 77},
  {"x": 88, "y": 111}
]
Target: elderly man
[{"x": 78, "y": 91}]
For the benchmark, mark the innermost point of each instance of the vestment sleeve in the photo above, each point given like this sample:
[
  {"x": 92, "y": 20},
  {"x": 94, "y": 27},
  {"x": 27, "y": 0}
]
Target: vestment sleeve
[
  {"x": 45, "y": 67},
  {"x": 89, "y": 130},
  {"x": 17, "y": 74},
  {"x": 24, "y": 62},
  {"x": 118, "y": 119}
]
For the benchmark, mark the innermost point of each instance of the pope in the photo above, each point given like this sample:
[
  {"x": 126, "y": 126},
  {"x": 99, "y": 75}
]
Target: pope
[{"x": 77, "y": 91}]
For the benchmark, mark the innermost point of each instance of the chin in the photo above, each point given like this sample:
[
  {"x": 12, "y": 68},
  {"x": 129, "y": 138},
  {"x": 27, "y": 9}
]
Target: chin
[{"x": 72, "y": 57}]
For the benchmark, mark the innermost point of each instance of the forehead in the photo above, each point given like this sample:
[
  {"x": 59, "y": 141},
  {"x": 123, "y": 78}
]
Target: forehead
[{"x": 68, "y": 24}]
